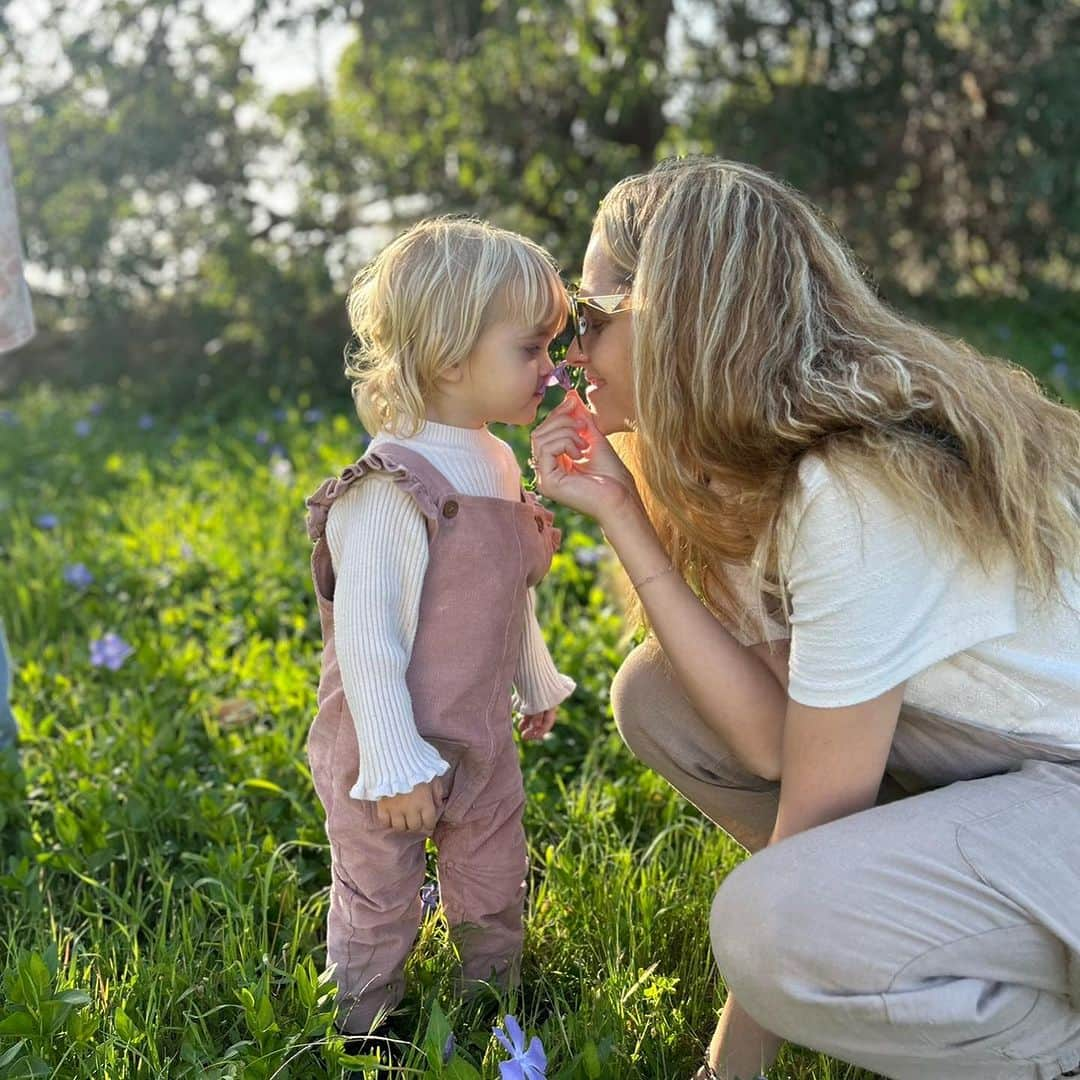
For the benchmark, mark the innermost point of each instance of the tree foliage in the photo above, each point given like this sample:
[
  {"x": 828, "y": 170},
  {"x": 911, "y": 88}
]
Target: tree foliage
[{"x": 941, "y": 137}]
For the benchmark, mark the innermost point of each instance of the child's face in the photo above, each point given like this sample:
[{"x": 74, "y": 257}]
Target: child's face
[{"x": 505, "y": 375}]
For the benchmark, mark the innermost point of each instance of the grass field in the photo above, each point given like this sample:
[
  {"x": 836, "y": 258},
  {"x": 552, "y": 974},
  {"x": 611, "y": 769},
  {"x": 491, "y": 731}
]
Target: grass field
[{"x": 163, "y": 882}]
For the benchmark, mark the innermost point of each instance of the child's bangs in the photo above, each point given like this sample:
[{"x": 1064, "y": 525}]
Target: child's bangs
[{"x": 534, "y": 295}]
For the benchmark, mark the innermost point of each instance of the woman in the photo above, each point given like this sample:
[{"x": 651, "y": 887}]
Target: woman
[{"x": 882, "y": 527}]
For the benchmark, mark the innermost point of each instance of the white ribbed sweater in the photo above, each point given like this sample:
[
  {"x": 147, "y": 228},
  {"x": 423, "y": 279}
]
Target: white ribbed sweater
[{"x": 379, "y": 551}]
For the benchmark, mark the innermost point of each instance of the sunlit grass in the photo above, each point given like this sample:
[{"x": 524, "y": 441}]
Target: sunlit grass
[{"x": 163, "y": 883}]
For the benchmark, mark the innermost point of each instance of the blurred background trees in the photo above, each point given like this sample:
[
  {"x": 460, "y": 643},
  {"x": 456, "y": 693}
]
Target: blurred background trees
[{"x": 192, "y": 232}]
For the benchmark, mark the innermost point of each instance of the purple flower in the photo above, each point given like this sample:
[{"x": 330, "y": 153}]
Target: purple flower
[
  {"x": 46, "y": 521},
  {"x": 146, "y": 422},
  {"x": 590, "y": 556},
  {"x": 524, "y": 1064},
  {"x": 448, "y": 1048},
  {"x": 1004, "y": 332},
  {"x": 280, "y": 414},
  {"x": 429, "y": 899},
  {"x": 110, "y": 651},
  {"x": 262, "y": 437},
  {"x": 1060, "y": 374},
  {"x": 313, "y": 416},
  {"x": 76, "y": 574},
  {"x": 97, "y": 408},
  {"x": 561, "y": 376},
  {"x": 8, "y": 417},
  {"x": 1058, "y": 350},
  {"x": 83, "y": 428}
]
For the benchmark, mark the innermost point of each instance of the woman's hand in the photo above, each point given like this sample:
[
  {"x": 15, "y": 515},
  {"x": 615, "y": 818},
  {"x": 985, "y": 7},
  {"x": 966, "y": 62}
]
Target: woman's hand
[
  {"x": 414, "y": 811},
  {"x": 575, "y": 464}
]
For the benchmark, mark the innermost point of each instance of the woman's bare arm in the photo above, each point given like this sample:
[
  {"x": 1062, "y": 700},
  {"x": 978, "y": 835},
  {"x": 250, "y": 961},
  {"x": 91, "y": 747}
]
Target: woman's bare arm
[{"x": 732, "y": 686}]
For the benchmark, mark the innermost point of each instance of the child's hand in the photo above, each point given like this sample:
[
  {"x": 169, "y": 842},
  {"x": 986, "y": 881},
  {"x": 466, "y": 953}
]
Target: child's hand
[
  {"x": 537, "y": 725},
  {"x": 413, "y": 811}
]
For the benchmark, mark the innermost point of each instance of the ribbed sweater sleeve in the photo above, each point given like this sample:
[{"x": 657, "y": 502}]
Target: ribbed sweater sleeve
[
  {"x": 538, "y": 681},
  {"x": 379, "y": 551}
]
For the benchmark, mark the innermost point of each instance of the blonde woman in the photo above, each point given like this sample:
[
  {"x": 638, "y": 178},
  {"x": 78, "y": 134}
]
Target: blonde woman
[{"x": 855, "y": 543}]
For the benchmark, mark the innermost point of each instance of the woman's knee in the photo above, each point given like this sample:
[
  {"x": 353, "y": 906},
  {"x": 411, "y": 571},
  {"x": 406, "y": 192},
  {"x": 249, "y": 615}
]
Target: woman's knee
[{"x": 641, "y": 682}]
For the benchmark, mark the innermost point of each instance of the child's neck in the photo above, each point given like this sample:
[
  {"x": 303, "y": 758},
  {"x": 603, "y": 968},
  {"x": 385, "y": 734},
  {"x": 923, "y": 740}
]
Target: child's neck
[{"x": 452, "y": 415}]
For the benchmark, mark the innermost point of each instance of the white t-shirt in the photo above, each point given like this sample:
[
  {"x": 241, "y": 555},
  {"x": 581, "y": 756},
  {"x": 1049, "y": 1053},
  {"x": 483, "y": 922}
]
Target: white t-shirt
[{"x": 874, "y": 601}]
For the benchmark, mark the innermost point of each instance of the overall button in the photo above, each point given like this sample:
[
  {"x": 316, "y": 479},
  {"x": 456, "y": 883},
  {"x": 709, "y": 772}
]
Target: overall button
[{"x": 450, "y": 508}]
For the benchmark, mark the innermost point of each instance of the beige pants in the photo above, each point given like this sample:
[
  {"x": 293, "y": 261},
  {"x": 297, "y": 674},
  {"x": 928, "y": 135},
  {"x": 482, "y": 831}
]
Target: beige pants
[{"x": 933, "y": 937}]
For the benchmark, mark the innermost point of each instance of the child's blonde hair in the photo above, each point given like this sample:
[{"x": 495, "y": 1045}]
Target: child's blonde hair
[{"x": 419, "y": 307}]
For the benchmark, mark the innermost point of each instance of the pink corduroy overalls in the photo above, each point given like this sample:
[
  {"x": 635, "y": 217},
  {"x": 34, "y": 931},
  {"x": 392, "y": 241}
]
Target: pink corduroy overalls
[{"x": 484, "y": 554}]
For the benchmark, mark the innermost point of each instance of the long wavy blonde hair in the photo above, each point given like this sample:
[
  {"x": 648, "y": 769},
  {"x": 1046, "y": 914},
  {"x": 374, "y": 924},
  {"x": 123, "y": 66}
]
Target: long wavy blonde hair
[{"x": 758, "y": 341}]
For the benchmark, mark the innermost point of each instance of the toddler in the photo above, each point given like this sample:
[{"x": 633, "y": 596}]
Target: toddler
[{"x": 426, "y": 553}]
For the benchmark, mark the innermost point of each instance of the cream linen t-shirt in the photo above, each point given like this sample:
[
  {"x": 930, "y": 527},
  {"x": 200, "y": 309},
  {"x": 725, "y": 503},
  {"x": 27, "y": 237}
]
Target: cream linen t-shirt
[{"x": 874, "y": 601}]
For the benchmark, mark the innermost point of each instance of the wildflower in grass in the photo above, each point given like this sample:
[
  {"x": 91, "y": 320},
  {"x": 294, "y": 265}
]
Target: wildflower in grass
[
  {"x": 77, "y": 574},
  {"x": 281, "y": 470},
  {"x": 429, "y": 899},
  {"x": 8, "y": 417},
  {"x": 1060, "y": 374},
  {"x": 313, "y": 416},
  {"x": 146, "y": 422},
  {"x": 448, "y": 1048},
  {"x": 46, "y": 521},
  {"x": 280, "y": 414},
  {"x": 110, "y": 652},
  {"x": 590, "y": 556},
  {"x": 1004, "y": 332},
  {"x": 1058, "y": 350},
  {"x": 83, "y": 428},
  {"x": 262, "y": 437},
  {"x": 524, "y": 1064},
  {"x": 96, "y": 408}
]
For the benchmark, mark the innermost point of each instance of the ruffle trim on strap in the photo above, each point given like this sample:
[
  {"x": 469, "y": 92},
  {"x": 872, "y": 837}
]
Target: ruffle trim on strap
[{"x": 319, "y": 502}]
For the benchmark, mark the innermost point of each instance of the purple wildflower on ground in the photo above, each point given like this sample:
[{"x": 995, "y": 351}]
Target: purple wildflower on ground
[
  {"x": 524, "y": 1064},
  {"x": 429, "y": 899},
  {"x": 8, "y": 417},
  {"x": 590, "y": 556},
  {"x": 146, "y": 422},
  {"x": 1058, "y": 350},
  {"x": 1004, "y": 332},
  {"x": 448, "y": 1048},
  {"x": 313, "y": 416},
  {"x": 110, "y": 652},
  {"x": 77, "y": 574},
  {"x": 262, "y": 437},
  {"x": 97, "y": 408},
  {"x": 46, "y": 521},
  {"x": 280, "y": 414},
  {"x": 83, "y": 428}
]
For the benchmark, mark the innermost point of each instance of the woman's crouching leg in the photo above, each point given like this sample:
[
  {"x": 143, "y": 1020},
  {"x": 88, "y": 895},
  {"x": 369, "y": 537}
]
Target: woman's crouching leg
[{"x": 663, "y": 730}]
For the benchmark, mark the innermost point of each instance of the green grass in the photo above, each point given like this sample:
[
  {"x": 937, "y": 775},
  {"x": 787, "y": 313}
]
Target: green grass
[{"x": 163, "y": 880}]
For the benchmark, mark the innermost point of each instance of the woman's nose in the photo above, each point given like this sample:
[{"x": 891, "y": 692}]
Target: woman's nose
[{"x": 575, "y": 355}]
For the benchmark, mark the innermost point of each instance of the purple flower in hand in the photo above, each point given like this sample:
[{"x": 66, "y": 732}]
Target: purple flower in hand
[
  {"x": 110, "y": 651},
  {"x": 76, "y": 574},
  {"x": 524, "y": 1064},
  {"x": 561, "y": 376}
]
